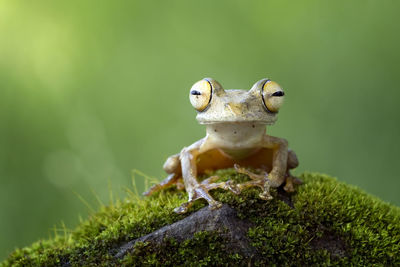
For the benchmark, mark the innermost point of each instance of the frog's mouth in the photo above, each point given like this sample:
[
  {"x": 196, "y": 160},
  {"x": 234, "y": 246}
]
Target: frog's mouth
[{"x": 257, "y": 122}]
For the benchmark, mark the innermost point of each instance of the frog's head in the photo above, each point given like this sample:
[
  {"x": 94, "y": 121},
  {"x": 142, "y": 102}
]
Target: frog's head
[{"x": 215, "y": 105}]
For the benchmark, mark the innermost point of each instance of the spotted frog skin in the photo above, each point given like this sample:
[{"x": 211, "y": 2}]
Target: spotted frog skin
[{"x": 236, "y": 137}]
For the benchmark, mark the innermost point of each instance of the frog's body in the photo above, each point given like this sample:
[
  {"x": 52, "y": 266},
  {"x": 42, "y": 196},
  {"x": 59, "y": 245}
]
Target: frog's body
[{"x": 236, "y": 137}]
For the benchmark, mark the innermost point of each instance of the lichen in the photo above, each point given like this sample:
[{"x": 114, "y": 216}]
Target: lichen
[{"x": 325, "y": 221}]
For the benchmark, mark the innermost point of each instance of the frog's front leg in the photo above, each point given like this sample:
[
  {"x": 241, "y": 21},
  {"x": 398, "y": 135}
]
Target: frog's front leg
[
  {"x": 196, "y": 190},
  {"x": 278, "y": 173},
  {"x": 279, "y": 161}
]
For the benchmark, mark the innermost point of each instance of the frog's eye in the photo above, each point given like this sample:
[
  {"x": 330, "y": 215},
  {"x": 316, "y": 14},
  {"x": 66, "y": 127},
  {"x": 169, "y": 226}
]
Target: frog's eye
[
  {"x": 272, "y": 95},
  {"x": 200, "y": 95}
]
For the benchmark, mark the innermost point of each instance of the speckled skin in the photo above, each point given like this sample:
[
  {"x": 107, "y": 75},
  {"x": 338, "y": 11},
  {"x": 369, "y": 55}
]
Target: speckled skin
[{"x": 236, "y": 137}]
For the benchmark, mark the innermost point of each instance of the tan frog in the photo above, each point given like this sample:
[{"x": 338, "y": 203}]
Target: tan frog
[{"x": 236, "y": 137}]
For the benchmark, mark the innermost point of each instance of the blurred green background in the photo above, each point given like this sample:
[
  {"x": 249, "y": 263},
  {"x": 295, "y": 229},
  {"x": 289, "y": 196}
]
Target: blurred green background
[{"x": 90, "y": 90}]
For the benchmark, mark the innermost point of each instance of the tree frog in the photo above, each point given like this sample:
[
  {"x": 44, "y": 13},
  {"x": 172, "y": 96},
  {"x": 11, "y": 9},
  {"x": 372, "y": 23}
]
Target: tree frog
[{"x": 236, "y": 137}]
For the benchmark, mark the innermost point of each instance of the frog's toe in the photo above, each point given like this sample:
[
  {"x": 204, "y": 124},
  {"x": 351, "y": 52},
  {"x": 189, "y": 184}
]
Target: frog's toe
[
  {"x": 265, "y": 196},
  {"x": 215, "y": 205},
  {"x": 296, "y": 180},
  {"x": 152, "y": 190},
  {"x": 230, "y": 185},
  {"x": 210, "y": 180},
  {"x": 290, "y": 182},
  {"x": 183, "y": 208},
  {"x": 180, "y": 186},
  {"x": 170, "y": 180},
  {"x": 180, "y": 210},
  {"x": 289, "y": 186}
]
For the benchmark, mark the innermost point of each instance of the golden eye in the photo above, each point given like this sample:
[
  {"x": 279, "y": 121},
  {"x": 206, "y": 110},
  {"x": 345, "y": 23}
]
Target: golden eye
[
  {"x": 272, "y": 95},
  {"x": 200, "y": 95}
]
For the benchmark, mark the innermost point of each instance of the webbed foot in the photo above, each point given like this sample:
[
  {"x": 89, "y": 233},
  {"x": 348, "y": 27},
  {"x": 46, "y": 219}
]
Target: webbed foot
[
  {"x": 171, "y": 179},
  {"x": 201, "y": 190},
  {"x": 262, "y": 181},
  {"x": 259, "y": 180}
]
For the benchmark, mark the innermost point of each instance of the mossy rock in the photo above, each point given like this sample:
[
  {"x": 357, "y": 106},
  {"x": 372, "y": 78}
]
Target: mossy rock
[{"x": 325, "y": 222}]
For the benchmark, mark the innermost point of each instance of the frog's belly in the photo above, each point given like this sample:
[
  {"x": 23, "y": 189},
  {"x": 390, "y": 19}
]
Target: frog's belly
[
  {"x": 238, "y": 154},
  {"x": 217, "y": 159}
]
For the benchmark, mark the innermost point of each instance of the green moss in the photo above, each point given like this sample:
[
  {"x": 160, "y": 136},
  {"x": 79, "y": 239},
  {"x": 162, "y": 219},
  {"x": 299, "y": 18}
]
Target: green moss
[{"x": 326, "y": 221}]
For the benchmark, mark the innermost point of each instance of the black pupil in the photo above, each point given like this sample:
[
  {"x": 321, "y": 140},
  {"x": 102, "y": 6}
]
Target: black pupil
[
  {"x": 194, "y": 92},
  {"x": 279, "y": 93}
]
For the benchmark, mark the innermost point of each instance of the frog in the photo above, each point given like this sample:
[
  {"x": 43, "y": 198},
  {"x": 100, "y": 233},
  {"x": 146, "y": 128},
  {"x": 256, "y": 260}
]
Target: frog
[{"x": 236, "y": 121}]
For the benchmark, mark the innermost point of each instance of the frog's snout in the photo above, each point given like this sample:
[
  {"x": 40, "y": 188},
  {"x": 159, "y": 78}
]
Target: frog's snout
[{"x": 236, "y": 108}]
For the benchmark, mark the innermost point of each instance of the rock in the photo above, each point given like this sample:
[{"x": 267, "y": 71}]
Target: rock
[
  {"x": 223, "y": 220},
  {"x": 324, "y": 222}
]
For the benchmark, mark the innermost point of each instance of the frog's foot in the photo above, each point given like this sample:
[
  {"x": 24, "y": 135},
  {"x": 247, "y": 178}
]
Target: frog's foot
[
  {"x": 179, "y": 185},
  {"x": 290, "y": 182},
  {"x": 170, "y": 180},
  {"x": 201, "y": 190},
  {"x": 259, "y": 180}
]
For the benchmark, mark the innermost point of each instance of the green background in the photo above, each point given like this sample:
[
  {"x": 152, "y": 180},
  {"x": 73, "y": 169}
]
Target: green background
[{"x": 90, "y": 90}]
